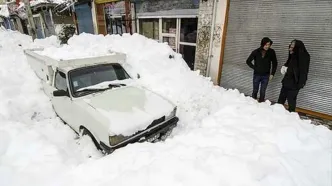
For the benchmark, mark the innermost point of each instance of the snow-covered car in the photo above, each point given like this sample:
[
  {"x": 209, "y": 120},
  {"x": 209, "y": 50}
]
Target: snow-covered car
[{"x": 97, "y": 97}]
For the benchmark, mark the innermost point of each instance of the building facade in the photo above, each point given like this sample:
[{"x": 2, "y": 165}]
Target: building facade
[
  {"x": 174, "y": 22},
  {"x": 243, "y": 24},
  {"x": 113, "y": 17},
  {"x": 83, "y": 14}
]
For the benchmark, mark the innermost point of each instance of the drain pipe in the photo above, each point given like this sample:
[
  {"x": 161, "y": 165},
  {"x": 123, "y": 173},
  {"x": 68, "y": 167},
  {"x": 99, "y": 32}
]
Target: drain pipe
[{"x": 215, "y": 4}]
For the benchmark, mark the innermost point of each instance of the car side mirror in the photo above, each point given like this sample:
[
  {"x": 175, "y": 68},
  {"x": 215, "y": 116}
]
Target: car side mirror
[
  {"x": 138, "y": 76},
  {"x": 60, "y": 93}
]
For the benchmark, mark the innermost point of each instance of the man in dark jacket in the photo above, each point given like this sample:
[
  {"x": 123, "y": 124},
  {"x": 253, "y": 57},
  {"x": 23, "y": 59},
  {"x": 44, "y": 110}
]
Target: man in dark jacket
[
  {"x": 263, "y": 57},
  {"x": 296, "y": 73}
]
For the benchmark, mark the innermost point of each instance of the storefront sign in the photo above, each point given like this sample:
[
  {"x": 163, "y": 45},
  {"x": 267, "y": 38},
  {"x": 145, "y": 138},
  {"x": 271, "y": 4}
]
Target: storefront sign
[
  {"x": 114, "y": 8},
  {"x": 105, "y": 1}
]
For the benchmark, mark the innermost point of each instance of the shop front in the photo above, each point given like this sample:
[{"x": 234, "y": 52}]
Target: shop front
[
  {"x": 114, "y": 17},
  {"x": 306, "y": 20},
  {"x": 84, "y": 17},
  {"x": 175, "y": 25}
]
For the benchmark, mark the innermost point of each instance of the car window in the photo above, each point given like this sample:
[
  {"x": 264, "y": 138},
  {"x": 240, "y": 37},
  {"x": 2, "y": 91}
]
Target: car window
[
  {"x": 60, "y": 81},
  {"x": 89, "y": 76}
]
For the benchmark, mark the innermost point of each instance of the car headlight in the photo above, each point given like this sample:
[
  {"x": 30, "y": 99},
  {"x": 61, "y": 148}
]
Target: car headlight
[
  {"x": 114, "y": 140},
  {"x": 172, "y": 114}
]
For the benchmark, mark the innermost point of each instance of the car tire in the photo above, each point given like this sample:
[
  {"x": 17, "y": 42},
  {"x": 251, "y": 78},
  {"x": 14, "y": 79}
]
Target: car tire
[{"x": 84, "y": 131}]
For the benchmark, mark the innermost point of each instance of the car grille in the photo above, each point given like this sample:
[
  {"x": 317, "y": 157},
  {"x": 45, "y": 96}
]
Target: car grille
[{"x": 154, "y": 123}]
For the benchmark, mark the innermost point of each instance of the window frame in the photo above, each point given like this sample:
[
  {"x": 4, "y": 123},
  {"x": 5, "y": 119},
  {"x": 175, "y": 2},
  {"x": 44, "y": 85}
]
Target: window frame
[
  {"x": 185, "y": 42},
  {"x": 55, "y": 80},
  {"x": 155, "y": 23}
]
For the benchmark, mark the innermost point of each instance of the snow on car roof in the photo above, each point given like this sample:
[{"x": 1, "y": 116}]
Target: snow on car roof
[{"x": 67, "y": 64}]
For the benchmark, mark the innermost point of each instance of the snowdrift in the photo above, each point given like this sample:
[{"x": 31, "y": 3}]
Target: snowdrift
[{"x": 223, "y": 138}]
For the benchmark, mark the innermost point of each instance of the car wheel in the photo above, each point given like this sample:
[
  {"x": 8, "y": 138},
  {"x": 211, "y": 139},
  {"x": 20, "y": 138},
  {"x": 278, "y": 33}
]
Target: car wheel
[{"x": 84, "y": 131}]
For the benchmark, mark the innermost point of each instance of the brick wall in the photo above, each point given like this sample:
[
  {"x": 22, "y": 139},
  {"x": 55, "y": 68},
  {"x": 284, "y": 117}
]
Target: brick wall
[{"x": 204, "y": 36}]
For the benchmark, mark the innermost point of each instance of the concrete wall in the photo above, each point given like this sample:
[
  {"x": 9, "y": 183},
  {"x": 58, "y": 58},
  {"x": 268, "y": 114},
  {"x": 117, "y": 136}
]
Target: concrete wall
[
  {"x": 217, "y": 40},
  {"x": 210, "y": 30},
  {"x": 62, "y": 19},
  {"x": 203, "y": 36}
]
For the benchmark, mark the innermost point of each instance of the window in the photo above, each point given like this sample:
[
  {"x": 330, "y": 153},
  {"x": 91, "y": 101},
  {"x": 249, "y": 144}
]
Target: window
[
  {"x": 188, "y": 31},
  {"x": 90, "y": 76},
  {"x": 170, "y": 41},
  {"x": 188, "y": 54},
  {"x": 188, "y": 37},
  {"x": 60, "y": 81},
  {"x": 169, "y": 26},
  {"x": 115, "y": 26},
  {"x": 149, "y": 28}
]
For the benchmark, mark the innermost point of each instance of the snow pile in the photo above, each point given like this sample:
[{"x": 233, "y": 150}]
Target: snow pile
[
  {"x": 91, "y": 49},
  {"x": 224, "y": 138},
  {"x": 47, "y": 42},
  {"x": 4, "y": 11},
  {"x": 34, "y": 144},
  {"x": 36, "y": 2}
]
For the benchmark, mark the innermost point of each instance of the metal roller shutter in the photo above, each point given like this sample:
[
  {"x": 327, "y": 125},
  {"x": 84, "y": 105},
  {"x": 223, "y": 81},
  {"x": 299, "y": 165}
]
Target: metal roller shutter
[
  {"x": 84, "y": 18},
  {"x": 281, "y": 20}
]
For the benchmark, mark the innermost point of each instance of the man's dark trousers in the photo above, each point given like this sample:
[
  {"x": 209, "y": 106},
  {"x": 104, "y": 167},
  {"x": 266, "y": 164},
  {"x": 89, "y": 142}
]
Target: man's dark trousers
[
  {"x": 290, "y": 95},
  {"x": 262, "y": 81}
]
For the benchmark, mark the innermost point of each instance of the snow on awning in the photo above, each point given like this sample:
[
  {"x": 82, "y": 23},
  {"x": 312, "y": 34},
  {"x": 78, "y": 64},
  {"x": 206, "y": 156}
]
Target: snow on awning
[
  {"x": 175, "y": 13},
  {"x": 4, "y": 11},
  {"x": 37, "y": 2}
]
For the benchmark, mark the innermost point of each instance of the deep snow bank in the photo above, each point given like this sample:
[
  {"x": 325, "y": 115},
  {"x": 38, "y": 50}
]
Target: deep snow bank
[
  {"x": 34, "y": 143},
  {"x": 224, "y": 138}
]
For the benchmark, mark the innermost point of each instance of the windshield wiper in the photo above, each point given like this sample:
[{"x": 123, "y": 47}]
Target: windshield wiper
[
  {"x": 92, "y": 89},
  {"x": 112, "y": 85}
]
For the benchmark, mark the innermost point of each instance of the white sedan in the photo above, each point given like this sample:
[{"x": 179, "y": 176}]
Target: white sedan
[{"x": 102, "y": 102}]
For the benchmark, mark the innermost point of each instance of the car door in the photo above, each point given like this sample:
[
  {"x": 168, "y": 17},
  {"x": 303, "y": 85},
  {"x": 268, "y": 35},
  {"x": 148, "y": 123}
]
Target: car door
[{"x": 62, "y": 104}]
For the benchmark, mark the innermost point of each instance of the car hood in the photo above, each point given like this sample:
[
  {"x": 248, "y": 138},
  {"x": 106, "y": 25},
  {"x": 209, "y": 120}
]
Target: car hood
[{"x": 130, "y": 109}]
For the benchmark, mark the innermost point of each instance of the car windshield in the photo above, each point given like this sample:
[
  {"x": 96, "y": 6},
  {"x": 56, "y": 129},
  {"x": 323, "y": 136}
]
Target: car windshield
[{"x": 84, "y": 80}]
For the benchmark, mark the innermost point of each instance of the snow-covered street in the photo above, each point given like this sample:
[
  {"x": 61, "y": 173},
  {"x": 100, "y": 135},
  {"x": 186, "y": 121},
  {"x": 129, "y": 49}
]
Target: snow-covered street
[{"x": 223, "y": 138}]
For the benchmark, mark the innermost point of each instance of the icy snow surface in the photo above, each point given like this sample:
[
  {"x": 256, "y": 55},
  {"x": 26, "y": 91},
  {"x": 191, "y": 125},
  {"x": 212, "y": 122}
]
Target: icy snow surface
[{"x": 223, "y": 138}]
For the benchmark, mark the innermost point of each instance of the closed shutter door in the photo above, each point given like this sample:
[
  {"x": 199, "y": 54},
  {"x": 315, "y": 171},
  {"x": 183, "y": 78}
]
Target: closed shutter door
[
  {"x": 84, "y": 18},
  {"x": 307, "y": 20}
]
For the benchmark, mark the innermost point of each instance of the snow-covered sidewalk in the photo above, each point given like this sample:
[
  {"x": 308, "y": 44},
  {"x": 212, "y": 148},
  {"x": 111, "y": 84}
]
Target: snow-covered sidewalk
[{"x": 223, "y": 137}]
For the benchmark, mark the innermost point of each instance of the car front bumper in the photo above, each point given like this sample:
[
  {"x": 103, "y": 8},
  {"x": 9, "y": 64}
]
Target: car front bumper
[{"x": 144, "y": 135}]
